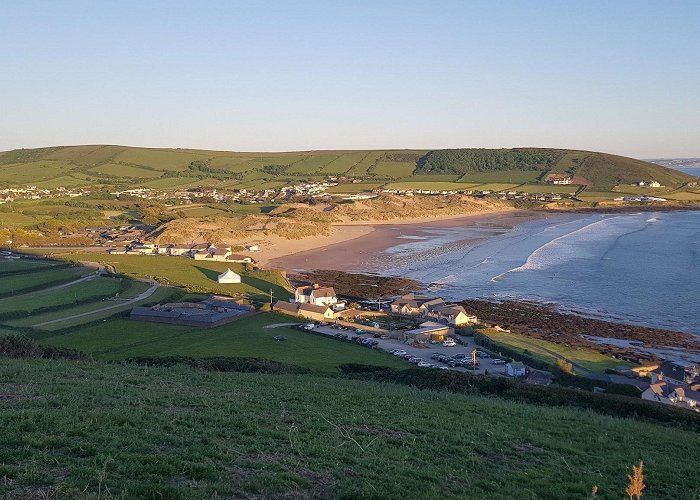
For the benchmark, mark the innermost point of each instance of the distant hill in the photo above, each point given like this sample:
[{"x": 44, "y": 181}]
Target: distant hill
[
  {"x": 182, "y": 168},
  {"x": 602, "y": 169}
]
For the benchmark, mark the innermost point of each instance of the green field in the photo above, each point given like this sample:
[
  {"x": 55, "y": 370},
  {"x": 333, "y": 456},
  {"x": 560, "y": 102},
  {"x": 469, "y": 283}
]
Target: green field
[
  {"x": 511, "y": 176},
  {"x": 25, "y": 265},
  {"x": 547, "y": 188},
  {"x": 98, "y": 287},
  {"x": 123, "y": 338},
  {"x": 542, "y": 350},
  {"x": 343, "y": 163},
  {"x": 393, "y": 169},
  {"x": 122, "y": 170},
  {"x": 193, "y": 275},
  {"x": 16, "y": 283},
  {"x": 132, "y": 432}
]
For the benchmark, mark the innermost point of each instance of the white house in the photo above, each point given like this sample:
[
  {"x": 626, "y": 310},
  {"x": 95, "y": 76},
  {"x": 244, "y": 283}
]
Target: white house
[
  {"x": 316, "y": 295},
  {"x": 516, "y": 369},
  {"x": 229, "y": 277}
]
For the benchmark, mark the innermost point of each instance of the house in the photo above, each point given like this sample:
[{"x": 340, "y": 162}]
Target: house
[
  {"x": 516, "y": 369},
  {"x": 177, "y": 250},
  {"x": 240, "y": 259},
  {"x": 452, "y": 314},
  {"x": 651, "y": 184},
  {"x": 252, "y": 248},
  {"x": 229, "y": 277},
  {"x": 670, "y": 393},
  {"x": 427, "y": 331},
  {"x": 413, "y": 305},
  {"x": 316, "y": 295},
  {"x": 213, "y": 253},
  {"x": 558, "y": 178},
  {"x": 675, "y": 373},
  {"x": 317, "y": 313},
  {"x": 304, "y": 310}
]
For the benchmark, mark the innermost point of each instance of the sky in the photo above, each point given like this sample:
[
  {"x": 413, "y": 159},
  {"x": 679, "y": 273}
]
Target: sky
[{"x": 616, "y": 76}]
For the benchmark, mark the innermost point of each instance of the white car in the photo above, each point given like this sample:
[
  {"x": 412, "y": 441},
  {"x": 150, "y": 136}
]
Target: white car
[
  {"x": 423, "y": 364},
  {"x": 309, "y": 326},
  {"x": 449, "y": 343},
  {"x": 498, "y": 362},
  {"x": 398, "y": 352}
]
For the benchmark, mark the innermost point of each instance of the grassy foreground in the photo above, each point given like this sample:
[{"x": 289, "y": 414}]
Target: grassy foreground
[{"x": 89, "y": 430}]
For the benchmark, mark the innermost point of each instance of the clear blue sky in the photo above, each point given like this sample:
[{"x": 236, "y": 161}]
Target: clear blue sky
[{"x": 617, "y": 76}]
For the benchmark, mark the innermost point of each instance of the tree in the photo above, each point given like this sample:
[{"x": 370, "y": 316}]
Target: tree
[
  {"x": 565, "y": 367},
  {"x": 266, "y": 307}
]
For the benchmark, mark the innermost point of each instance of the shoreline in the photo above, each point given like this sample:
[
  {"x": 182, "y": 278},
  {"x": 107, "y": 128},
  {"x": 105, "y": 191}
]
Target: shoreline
[{"x": 353, "y": 245}]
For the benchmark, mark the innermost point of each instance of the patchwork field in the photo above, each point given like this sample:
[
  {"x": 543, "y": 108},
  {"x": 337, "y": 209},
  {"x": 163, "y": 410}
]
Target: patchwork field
[
  {"x": 183, "y": 433},
  {"x": 17, "y": 283},
  {"x": 193, "y": 275}
]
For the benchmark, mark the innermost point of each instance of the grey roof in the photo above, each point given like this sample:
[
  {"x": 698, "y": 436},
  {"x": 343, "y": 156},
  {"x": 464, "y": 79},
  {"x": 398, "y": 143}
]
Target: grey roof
[{"x": 283, "y": 305}]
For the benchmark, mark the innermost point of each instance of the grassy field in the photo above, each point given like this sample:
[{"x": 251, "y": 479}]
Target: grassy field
[
  {"x": 123, "y": 338},
  {"x": 73, "y": 316},
  {"x": 25, "y": 265},
  {"x": 511, "y": 176},
  {"x": 542, "y": 350},
  {"x": 547, "y": 188},
  {"x": 16, "y": 283},
  {"x": 95, "y": 288},
  {"x": 193, "y": 275},
  {"x": 131, "y": 432}
]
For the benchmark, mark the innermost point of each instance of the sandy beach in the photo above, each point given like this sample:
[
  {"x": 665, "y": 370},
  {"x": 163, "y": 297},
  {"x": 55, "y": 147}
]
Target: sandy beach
[{"x": 351, "y": 245}]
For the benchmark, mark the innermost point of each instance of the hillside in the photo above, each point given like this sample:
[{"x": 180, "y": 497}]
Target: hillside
[
  {"x": 137, "y": 432},
  {"x": 182, "y": 168}
]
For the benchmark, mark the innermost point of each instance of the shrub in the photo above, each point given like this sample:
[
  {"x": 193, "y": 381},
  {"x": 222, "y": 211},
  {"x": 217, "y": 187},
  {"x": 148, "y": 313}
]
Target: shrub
[
  {"x": 19, "y": 346},
  {"x": 220, "y": 364}
]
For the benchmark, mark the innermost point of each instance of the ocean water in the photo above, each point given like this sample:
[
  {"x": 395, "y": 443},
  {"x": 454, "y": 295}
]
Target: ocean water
[{"x": 641, "y": 268}]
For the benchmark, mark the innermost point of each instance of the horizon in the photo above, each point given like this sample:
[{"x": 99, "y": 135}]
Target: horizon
[
  {"x": 244, "y": 151},
  {"x": 233, "y": 76}
]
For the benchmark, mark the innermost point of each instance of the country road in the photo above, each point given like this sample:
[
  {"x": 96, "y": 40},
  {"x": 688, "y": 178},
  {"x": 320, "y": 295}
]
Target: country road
[{"x": 144, "y": 295}]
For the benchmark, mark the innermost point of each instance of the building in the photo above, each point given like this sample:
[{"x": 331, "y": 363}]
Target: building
[
  {"x": 678, "y": 395},
  {"x": 304, "y": 310},
  {"x": 558, "y": 178},
  {"x": 206, "y": 314},
  {"x": 229, "y": 277},
  {"x": 516, "y": 369},
  {"x": 252, "y": 248},
  {"x": 316, "y": 295},
  {"x": 427, "y": 331},
  {"x": 451, "y": 314},
  {"x": 675, "y": 373},
  {"x": 651, "y": 184},
  {"x": 413, "y": 305}
]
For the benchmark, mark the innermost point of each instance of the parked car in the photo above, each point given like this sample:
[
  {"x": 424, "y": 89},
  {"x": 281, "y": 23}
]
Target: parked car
[
  {"x": 499, "y": 361},
  {"x": 449, "y": 342},
  {"x": 308, "y": 326},
  {"x": 360, "y": 330},
  {"x": 437, "y": 355},
  {"x": 423, "y": 364},
  {"x": 483, "y": 355},
  {"x": 398, "y": 352},
  {"x": 414, "y": 360},
  {"x": 280, "y": 338},
  {"x": 460, "y": 355}
]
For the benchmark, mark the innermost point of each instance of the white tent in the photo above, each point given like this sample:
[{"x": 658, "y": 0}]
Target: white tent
[{"x": 229, "y": 277}]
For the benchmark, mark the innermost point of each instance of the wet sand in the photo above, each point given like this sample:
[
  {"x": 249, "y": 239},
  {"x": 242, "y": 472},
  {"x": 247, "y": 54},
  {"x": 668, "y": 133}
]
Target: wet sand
[{"x": 361, "y": 245}]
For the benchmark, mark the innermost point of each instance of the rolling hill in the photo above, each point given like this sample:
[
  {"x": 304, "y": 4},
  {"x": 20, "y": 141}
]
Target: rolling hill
[{"x": 182, "y": 168}]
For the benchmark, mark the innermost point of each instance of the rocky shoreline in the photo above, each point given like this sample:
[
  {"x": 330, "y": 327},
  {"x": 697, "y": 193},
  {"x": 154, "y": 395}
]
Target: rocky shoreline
[{"x": 544, "y": 321}]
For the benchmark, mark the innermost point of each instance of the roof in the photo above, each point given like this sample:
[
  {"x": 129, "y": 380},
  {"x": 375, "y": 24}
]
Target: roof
[
  {"x": 322, "y": 292},
  {"x": 517, "y": 365},
  {"x": 282, "y": 305},
  {"x": 670, "y": 370},
  {"x": 313, "y": 308},
  {"x": 449, "y": 309},
  {"x": 427, "y": 327}
]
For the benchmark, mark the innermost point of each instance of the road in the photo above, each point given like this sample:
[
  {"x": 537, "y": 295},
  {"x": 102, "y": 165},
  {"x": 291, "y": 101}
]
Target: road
[{"x": 142, "y": 296}]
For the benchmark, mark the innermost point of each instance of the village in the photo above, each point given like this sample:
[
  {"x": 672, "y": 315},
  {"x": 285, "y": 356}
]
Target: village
[{"x": 423, "y": 330}]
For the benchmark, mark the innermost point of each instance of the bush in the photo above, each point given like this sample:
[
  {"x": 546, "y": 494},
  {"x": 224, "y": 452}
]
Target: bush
[
  {"x": 220, "y": 364},
  {"x": 19, "y": 346}
]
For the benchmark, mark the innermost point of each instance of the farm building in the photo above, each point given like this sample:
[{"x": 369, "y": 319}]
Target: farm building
[
  {"x": 229, "y": 277},
  {"x": 202, "y": 314}
]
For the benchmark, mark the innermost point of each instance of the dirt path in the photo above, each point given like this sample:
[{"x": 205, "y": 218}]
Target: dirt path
[{"x": 138, "y": 298}]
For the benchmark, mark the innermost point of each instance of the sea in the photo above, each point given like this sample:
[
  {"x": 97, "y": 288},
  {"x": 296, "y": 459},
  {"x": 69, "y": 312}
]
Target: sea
[{"x": 639, "y": 268}]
